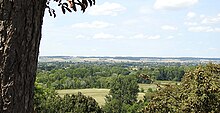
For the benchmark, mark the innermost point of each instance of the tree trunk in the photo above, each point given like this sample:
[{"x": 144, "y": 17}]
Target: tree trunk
[{"x": 20, "y": 34}]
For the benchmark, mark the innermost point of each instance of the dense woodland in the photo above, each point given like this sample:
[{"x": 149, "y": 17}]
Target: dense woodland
[
  {"x": 98, "y": 75},
  {"x": 196, "y": 91}
]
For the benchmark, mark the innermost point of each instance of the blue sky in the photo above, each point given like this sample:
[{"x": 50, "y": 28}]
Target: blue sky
[{"x": 163, "y": 28}]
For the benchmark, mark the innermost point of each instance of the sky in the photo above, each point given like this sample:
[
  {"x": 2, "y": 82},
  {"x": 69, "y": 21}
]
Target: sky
[{"x": 146, "y": 28}]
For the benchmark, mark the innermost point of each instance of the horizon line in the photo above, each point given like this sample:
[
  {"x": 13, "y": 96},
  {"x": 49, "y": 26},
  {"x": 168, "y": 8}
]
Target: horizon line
[{"x": 127, "y": 56}]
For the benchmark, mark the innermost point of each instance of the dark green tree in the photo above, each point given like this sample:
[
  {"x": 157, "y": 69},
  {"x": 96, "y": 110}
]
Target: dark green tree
[
  {"x": 199, "y": 92},
  {"x": 123, "y": 91}
]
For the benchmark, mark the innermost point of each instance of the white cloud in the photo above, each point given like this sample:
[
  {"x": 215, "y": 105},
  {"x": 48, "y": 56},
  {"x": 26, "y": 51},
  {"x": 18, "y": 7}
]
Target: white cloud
[
  {"x": 139, "y": 36},
  {"x": 202, "y": 16},
  {"x": 203, "y": 23},
  {"x": 80, "y": 36},
  {"x": 94, "y": 50},
  {"x": 99, "y": 36},
  {"x": 216, "y": 29},
  {"x": 174, "y": 4},
  {"x": 145, "y": 10},
  {"x": 154, "y": 37},
  {"x": 200, "y": 29},
  {"x": 107, "y": 8},
  {"x": 106, "y": 36},
  {"x": 191, "y": 15},
  {"x": 170, "y": 37},
  {"x": 191, "y": 23},
  {"x": 130, "y": 22},
  {"x": 149, "y": 37},
  {"x": 103, "y": 36},
  {"x": 168, "y": 27},
  {"x": 211, "y": 20},
  {"x": 203, "y": 29},
  {"x": 95, "y": 24},
  {"x": 212, "y": 48}
]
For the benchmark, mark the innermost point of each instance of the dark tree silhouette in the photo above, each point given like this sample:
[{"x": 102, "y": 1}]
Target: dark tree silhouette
[{"x": 20, "y": 35}]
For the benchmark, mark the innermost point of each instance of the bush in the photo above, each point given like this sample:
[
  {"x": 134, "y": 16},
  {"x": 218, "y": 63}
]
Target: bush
[
  {"x": 142, "y": 90},
  {"x": 149, "y": 90}
]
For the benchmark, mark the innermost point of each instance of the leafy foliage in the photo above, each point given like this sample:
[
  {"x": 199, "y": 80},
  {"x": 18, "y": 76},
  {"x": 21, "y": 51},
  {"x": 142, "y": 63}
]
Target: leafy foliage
[
  {"x": 72, "y": 4},
  {"x": 198, "y": 92},
  {"x": 123, "y": 93}
]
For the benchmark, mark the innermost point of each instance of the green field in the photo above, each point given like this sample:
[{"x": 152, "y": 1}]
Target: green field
[{"x": 99, "y": 94}]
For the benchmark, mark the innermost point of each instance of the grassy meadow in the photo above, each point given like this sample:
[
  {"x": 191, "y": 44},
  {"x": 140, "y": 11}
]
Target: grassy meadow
[{"x": 99, "y": 94}]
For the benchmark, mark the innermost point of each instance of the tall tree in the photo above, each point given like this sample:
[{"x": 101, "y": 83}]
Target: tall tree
[
  {"x": 20, "y": 35},
  {"x": 123, "y": 91}
]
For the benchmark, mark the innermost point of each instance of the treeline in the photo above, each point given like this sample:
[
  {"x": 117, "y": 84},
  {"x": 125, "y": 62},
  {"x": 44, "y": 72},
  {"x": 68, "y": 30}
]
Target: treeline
[{"x": 94, "y": 75}]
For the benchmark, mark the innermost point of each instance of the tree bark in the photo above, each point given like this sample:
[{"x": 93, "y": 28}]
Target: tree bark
[{"x": 20, "y": 34}]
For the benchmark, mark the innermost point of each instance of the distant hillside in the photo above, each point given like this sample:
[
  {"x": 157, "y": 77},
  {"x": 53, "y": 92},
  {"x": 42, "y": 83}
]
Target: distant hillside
[{"x": 126, "y": 59}]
